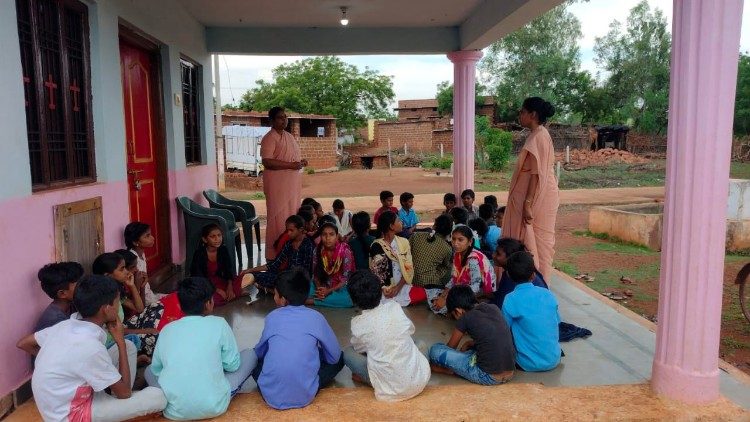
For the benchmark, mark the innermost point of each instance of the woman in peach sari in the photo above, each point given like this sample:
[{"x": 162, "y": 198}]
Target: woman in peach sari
[
  {"x": 282, "y": 178},
  {"x": 533, "y": 197}
]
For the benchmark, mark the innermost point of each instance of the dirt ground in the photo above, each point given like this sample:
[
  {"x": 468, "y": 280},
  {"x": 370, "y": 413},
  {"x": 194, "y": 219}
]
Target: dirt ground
[
  {"x": 608, "y": 262},
  {"x": 403, "y": 179},
  {"x": 354, "y": 182},
  {"x": 470, "y": 402}
]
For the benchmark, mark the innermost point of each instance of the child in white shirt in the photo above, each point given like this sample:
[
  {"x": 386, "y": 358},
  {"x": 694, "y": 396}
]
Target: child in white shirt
[
  {"x": 382, "y": 352},
  {"x": 343, "y": 218},
  {"x": 138, "y": 238},
  {"x": 73, "y": 367}
]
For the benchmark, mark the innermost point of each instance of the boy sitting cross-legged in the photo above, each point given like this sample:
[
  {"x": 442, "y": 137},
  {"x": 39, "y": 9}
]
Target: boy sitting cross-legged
[
  {"x": 386, "y": 202},
  {"x": 408, "y": 216},
  {"x": 488, "y": 358},
  {"x": 298, "y": 352},
  {"x": 533, "y": 317},
  {"x": 196, "y": 361},
  {"x": 383, "y": 353},
  {"x": 73, "y": 368}
]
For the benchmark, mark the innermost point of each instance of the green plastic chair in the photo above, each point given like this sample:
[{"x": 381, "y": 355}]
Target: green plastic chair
[
  {"x": 244, "y": 212},
  {"x": 196, "y": 217}
]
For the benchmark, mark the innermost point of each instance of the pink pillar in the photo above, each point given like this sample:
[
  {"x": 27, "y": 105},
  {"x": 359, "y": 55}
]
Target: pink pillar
[
  {"x": 464, "y": 78},
  {"x": 705, "y": 50}
]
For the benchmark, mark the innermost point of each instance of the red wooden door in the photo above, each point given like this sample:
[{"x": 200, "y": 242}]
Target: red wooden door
[{"x": 139, "y": 86}]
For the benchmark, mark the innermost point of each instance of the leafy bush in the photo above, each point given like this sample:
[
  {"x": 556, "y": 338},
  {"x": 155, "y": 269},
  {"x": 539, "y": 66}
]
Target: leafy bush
[
  {"x": 438, "y": 163},
  {"x": 310, "y": 170},
  {"x": 498, "y": 152},
  {"x": 493, "y": 145}
]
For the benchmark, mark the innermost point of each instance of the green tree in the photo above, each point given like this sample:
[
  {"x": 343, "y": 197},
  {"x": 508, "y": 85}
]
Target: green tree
[
  {"x": 742, "y": 100},
  {"x": 636, "y": 60},
  {"x": 445, "y": 97},
  {"x": 493, "y": 146},
  {"x": 324, "y": 85},
  {"x": 540, "y": 59}
]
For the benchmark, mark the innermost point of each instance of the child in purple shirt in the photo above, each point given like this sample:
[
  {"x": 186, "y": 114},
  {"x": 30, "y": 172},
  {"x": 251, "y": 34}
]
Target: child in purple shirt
[{"x": 298, "y": 352}]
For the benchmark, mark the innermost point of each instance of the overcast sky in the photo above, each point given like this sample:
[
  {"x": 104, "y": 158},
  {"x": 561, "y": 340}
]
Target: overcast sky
[{"x": 417, "y": 76}]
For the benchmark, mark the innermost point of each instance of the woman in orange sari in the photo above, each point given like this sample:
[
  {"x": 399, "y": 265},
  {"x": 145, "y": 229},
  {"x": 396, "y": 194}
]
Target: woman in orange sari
[
  {"x": 533, "y": 197},
  {"x": 282, "y": 178}
]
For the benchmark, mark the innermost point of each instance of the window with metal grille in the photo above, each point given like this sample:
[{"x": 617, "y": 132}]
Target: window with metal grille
[
  {"x": 191, "y": 99},
  {"x": 54, "y": 40}
]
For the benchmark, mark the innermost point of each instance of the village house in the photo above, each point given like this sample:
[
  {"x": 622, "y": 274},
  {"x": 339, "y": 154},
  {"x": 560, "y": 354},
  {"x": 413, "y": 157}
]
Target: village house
[
  {"x": 420, "y": 129},
  {"x": 428, "y": 109},
  {"x": 317, "y": 133}
]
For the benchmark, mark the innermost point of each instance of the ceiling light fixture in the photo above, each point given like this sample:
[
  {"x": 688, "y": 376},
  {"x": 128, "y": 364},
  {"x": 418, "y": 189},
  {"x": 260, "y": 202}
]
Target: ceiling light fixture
[{"x": 344, "y": 19}]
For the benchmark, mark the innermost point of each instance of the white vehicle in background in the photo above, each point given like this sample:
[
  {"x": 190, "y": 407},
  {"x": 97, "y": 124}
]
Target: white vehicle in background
[{"x": 242, "y": 147}]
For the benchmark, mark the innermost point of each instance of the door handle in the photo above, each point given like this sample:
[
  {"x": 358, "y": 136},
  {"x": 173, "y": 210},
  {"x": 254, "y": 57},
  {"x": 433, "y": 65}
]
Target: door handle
[{"x": 137, "y": 181}]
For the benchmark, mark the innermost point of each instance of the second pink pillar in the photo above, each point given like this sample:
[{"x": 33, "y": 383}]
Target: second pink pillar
[{"x": 464, "y": 78}]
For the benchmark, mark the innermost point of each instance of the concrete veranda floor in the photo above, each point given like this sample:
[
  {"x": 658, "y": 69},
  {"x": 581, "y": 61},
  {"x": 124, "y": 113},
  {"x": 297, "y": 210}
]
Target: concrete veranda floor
[
  {"x": 619, "y": 352},
  {"x": 603, "y": 377}
]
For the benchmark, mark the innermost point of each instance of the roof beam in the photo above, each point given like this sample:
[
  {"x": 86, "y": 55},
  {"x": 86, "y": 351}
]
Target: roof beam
[
  {"x": 321, "y": 41},
  {"x": 493, "y": 19}
]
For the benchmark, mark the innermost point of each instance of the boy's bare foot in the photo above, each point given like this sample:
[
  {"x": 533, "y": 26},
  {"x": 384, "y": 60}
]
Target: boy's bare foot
[
  {"x": 143, "y": 360},
  {"x": 440, "y": 370},
  {"x": 357, "y": 378}
]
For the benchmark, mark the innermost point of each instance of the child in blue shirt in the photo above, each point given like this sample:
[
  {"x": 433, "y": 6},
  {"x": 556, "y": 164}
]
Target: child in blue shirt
[
  {"x": 407, "y": 215},
  {"x": 505, "y": 248},
  {"x": 297, "y": 352},
  {"x": 196, "y": 362},
  {"x": 532, "y": 315},
  {"x": 494, "y": 232}
]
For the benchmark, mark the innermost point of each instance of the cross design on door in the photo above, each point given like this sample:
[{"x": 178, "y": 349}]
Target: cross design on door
[
  {"x": 75, "y": 89},
  {"x": 51, "y": 86}
]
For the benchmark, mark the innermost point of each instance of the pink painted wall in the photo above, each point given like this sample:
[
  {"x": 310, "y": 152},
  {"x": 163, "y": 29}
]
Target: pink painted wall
[
  {"x": 27, "y": 233},
  {"x": 190, "y": 182}
]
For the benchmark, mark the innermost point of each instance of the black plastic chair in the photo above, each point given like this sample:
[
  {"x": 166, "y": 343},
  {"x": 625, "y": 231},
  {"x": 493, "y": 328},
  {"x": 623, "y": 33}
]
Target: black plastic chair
[
  {"x": 197, "y": 216},
  {"x": 244, "y": 212}
]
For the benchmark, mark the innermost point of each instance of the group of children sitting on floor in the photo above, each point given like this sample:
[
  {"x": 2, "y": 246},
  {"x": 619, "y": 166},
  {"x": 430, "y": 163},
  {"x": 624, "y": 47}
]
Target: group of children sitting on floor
[{"x": 100, "y": 327}]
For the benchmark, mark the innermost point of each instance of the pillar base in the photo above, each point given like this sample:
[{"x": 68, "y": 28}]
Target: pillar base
[{"x": 686, "y": 386}]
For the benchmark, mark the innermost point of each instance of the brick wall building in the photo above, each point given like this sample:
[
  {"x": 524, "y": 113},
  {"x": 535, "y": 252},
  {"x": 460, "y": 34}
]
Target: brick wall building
[
  {"x": 427, "y": 109},
  {"x": 416, "y": 134},
  {"x": 319, "y": 151}
]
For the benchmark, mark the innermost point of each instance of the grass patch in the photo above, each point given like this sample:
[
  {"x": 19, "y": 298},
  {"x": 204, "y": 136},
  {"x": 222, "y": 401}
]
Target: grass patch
[
  {"x": 567, "y": 268},
  {"x": 614, "y": 176},
  {"x": 740, "y": 255},
  {"x": 623, "y": 248},
  {"x": 610, "y": 279},
  {"x": 731, "y": 311},
  {"x": 739, "y": 170},
  {"x": 615, "y": 244},
  {"x": 245, "y": 195},
  {"x": 611, "y": 176},
  {"x": 731, "y": 343}
]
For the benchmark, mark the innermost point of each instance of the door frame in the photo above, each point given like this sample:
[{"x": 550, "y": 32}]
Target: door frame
[{"x": 130, "y": 34}]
